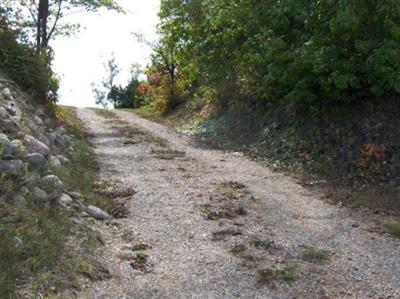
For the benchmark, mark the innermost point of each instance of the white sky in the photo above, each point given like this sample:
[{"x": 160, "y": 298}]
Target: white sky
[{"x": 79, "y": 59}]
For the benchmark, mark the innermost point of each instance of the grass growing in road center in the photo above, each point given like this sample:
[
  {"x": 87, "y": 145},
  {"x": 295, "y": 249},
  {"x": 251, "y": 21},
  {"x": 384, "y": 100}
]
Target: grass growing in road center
[
  {"x": 317, "y": 255},
  {"x": 269, "y": 275}
]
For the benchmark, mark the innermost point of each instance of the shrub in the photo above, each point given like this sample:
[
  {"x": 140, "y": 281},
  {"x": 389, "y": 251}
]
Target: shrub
[
  {"x": 293, "y": 52},
  {"x": 22, "y": 64}
]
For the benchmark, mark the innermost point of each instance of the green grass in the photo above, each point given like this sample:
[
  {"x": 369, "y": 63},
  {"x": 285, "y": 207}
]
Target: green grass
[
  {"x": 234, "y": 185},
  {"x": 33, "y": 243},
  {"x": 83, "y": 162},
  {"x": 238, "y": 249},
  {"x": 167, "y": 154},
  {"x": 394, "y": 230},
  {"x": 316, "y": 255},
  {"x": 221, "y": 234},
  {"x": 268, "y": 275},
  {"x": 37, "y": 239},
  {"x": 142, "y": 257},
  {"x": 181, "y": 119},
  {"x": 241, "y": 211},
  {"x": 208, "y": 214},
  {"x": 105, "y": 113},
  {"x": 261, "y": 244}
]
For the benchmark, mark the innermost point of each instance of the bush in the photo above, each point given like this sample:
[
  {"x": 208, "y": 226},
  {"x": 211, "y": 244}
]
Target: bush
[
  {"x": 126, "y": 97},
  {"x": 22, "y": 64},
  {"x": 160, "y": 92},
  {"x": 304, "y": 52},
  {"x": 330, "y": 51}
]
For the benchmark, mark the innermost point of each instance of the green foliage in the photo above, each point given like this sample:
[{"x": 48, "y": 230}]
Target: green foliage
[
  {"x": 305, "y": 52},
  {"x": 35, "y": 238},
  {"x": 314, "y": 254},
  {"x": 27, "y": 15},
  {"x": 107, "y": 92},
  {"x": 103, "y": 91},
  {"x": 126, "y": 97},
  {"x": 269, "y": 275},
  {"x": 21, "y": 63},
  {"x": 394, "y": 229},
  {"x": 83, "y": 162},
  {"x": 238, "y": 249},
  {"x": 32, "y": 239},
  {"x": 262, "y": 244}
]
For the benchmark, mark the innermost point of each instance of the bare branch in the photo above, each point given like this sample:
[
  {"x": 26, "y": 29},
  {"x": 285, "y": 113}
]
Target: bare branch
[
  {"x": 58, "y": 17},
  {"x": 32, "y": 11}
]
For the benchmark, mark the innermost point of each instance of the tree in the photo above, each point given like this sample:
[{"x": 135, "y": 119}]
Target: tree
[
  {"x": 20, "y": 62},
  {"x": 42, "y": 17},
  {"x": 163, "y": 56},
  {"x": 120, "y": 97},
  {"x": 302, "y": 53},
  {"x": 164, "y": 67},
  {"x": 126, "y": 97},
  {"x": 107, "y": 85}
]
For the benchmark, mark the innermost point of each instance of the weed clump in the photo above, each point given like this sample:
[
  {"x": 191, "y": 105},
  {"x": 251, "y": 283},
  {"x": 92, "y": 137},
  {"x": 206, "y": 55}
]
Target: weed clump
[
  {"x": 239, "y": 248},
  {"x": 33, "y": 241},
  {"x": 167, "y": 154},
  {"x": 140, "y": 261},
  {"x": 316, "y": 255},
  {"x": 221, "y": 234},
  {"x": 269, "y": 275},
  {"x": 105, "y": 113},
  {"x": 233, "y": 185},
  {"x": 241, "y": 211},
  {"x": 394, "y": 230},
  {"x": 215, "y": 214},
  {"x": 262, "y": 244}
]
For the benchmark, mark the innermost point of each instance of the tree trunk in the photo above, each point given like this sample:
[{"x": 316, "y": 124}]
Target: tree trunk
[
  {"x": 43, "y": 15},
  {"x": 171, "y": 71}
]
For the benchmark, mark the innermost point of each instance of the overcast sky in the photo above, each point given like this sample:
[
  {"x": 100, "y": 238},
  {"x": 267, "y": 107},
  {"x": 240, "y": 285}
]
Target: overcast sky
[{"x": 79, "y": 60}]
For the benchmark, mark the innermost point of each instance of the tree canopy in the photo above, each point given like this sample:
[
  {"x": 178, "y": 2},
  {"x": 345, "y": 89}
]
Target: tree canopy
[
  {"x": 41, "y": 18},
  {"x": 296, "y": 52}
]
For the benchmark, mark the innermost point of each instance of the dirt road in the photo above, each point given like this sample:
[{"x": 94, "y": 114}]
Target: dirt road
[{"x": 209, "y": 224}]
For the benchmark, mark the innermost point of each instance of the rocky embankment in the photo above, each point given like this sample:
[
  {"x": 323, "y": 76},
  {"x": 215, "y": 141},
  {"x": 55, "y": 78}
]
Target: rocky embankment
[
  {"x": 43, "y": 211},
  {"x": 32, "y": 146}
]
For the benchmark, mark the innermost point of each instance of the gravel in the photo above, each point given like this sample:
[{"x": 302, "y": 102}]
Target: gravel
[{"x": 183, "y": 259}]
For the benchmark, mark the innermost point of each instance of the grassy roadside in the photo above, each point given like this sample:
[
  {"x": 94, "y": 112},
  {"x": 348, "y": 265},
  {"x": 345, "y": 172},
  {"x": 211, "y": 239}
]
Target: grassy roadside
[
  {"x": 42, "y": 251},
  {"x": 186, "y": 118},
  {"x": 83, "y": 164},
  {"x": 33, "y": 247}
]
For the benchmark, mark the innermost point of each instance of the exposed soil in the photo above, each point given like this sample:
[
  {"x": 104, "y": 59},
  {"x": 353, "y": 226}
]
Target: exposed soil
[{"x": 210, "y": 224}]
